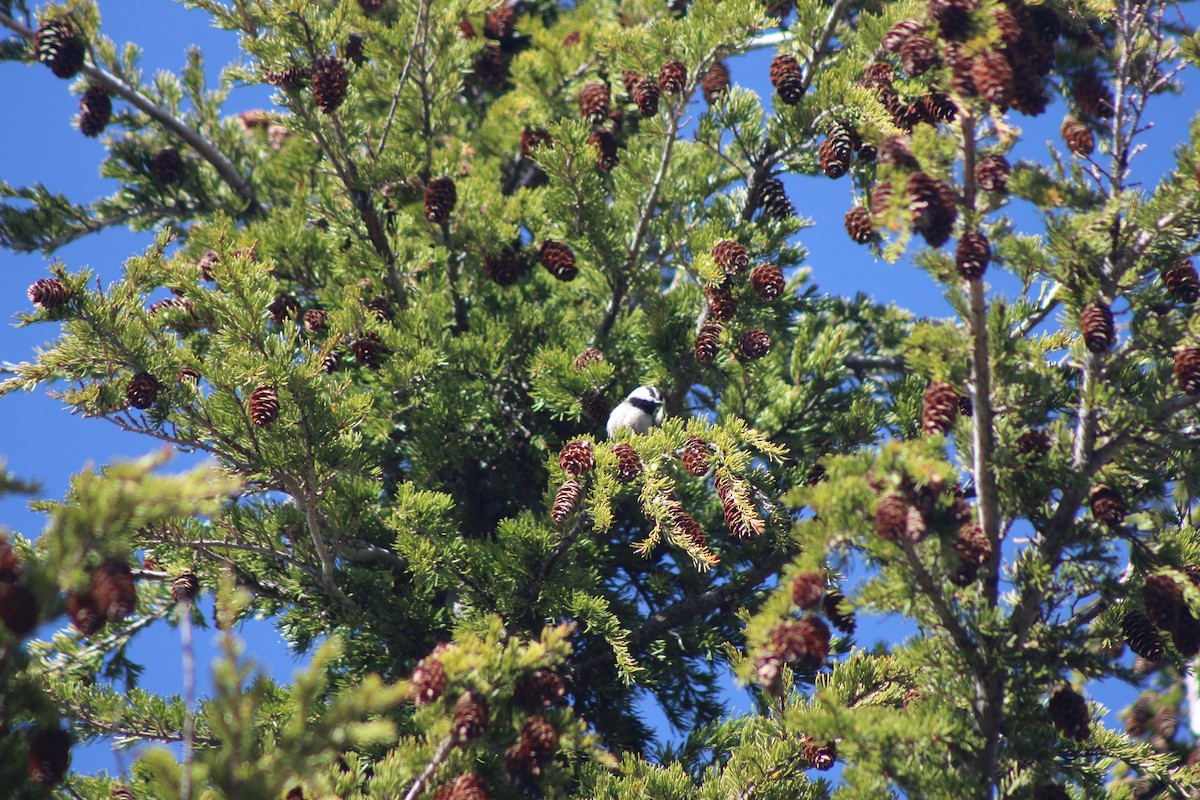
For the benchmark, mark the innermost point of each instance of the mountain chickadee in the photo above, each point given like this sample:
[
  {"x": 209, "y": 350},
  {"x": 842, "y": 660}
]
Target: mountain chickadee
[{"x": 640, "y": 411}]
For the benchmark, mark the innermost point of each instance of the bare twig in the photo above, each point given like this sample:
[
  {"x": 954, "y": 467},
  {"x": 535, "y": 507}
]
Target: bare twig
[
  {"x": 189, "y": 697},
  {"x": 439, "y": 755}
]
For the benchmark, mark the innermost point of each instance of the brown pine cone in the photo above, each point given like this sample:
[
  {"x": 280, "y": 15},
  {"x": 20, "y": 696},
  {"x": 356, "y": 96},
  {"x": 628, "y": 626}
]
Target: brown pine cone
[
  {"x": 917, "y": 55},
  {"x": 972, "y": 255},
  {"x": 95, "y": 110},
  {"x": 1078, "y": 137},
  {"x": 708, "y": 342},
  {"x": 577, "y": 457},
  {"x": 491, "y": 66},
  {"x": 803, "y": 641},
  {"x": 264, "y": 405},
  {"x": 991, "y": 173},
  {"x": 672, "y": 77},
  {"x": 381, "y": 308},
  {"x": 721, "y": 305},
  {"x": 953, "y": 18},
  {"x": 541, "y": 733},
  {"x": 185, "y": 587},
  {"x": 114, "y": 590},
  {"x": 993, "y": 77},
  {"x": 504, "y": 267},
  {"x": 596, "y": 406},
  {"x": 428, "y": 681},
  {"x": 19, "y": 609},
  {"x": 1096, "y": 324},
  {"x": 730, "y": 256},
  {"x": 629, "y": 465},
  {"x": 900, "y": 33},
  {"x": 1181, "y": 281},
  {"x": 935, "y": 108},
  {"x": 49, "y": 755},
  {"x": 859, "y": 226},
  {"x": 754, "y": 344},
  {"x": 786, "y": 78},
  {"x": 820, "y": 756},
  {"x": 1187, "y": 369},
  {"x": 288, "y": 78},
  {"x": 60, "y": 47},
  {"x": 974, "y": 550},
  {"x": 594, "y": 102},
  {"x": 1034, "y": 442},
  {"x": 939, "y": 408},
  {"x": 1092, "y": 95},
  {"x": 808, "y": 588},
  {"x": 534, "y": 137},
  {"x": 767, "y": 281},
  {"x": 559, "y": 260},
  {"x": 315, "y": 319},
  {"x": 1069, "y": 713},
  {"x": 84, "y": 615},
  {"x": 695, "y": 456},
  {"x": 590, "y": 355},
  {"x": 470, "y": 716},
  {"x": 121, "y": 792},
  {"x": 1007, "y": 24},
  {"x": 645, "y": 96},
  {"x": 539, "y": 689},
  {"x": 329, "y": 83},
  {"x": 834, "y": 153},
  {"x": 1165, "y": 723},
  {"x": 469, "y": 786},
  {"x": 715, "y": 82},
  {"x": 142, "y": 391},
  {"x": 891, "y": 516},
  {"x": 1139, "y": 714},
  {"x": 566, "y": 500},
  {"x": 369, "y": 350},
  {"x": 897, "y": 150},
  {"x": 877, "y": 75},
  {"x": 931, "y": 203},
  {"x": 500, "y": 23},
  {"x": 768, "y": 673},
  {"x": 773, "y": 200},
  {"x": 207, "y": 261},
  {"x": 48, "y": 293},
  {"x": 167, "y": 166},
  {"x": 283, "y": 308},
  {"x": 605, "y": 144},
  {"x": 831, "y": 606},
  {"x": 440, "y": 198},
  {"x": 1106, "y": 505},
  {"x": 1163, "y": 601}
]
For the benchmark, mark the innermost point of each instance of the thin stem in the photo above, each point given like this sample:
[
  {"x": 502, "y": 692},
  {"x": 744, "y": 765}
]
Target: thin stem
[
  {"x": 439, "y": 756},
  {"x": 189, "y": 697}
]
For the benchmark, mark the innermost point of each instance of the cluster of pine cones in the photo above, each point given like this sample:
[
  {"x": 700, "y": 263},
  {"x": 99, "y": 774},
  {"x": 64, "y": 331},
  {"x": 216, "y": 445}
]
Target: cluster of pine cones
[{"x": 766, "y": 280}]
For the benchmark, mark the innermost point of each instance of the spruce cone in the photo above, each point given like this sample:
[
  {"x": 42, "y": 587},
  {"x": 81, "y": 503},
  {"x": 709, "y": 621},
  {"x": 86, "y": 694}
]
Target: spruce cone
[
  {"x": 590, "y": 355},
  {"x": 329, "y": 83},
  {"x": 593, "y": 102},
  {"x": 808, "y": 588},
  {"x": 715, "y": 82},
  {"x": 521, "y": 762},
  {"x": 541, "y": 733},
  {"x": 1069, "y": 712},
  {"x": 539, "y": 689},
  {"x": 504, "y": 267},
  {"x": 991, "y": 173},
  {"x": 114, "y": 590},
  {"x": 953, "y": 18},
  {"x": 972, "y": 256},
  {"x": 645, "y": 96},
  {"x": 85, "y": 616},
  {"x": 708, "y": 342},
  {"x": 596, "y": 407},
  {"x": 371, "y": 6},
  {"x": 939, "y": 408},
  {"x": 185, "y": 587},
  {"x": 831, "y": 606},
  {"x": 1187, "y": 635},
  {"x": 48, "y": 757},
  {"x": 993, "y": 77},
  {"x": 60, "y": 48},
  {"x": 491, "y": 66},
  {"x": 1106, "y": 505},
  {"x": 207, "y": 261},
  {"x": 559, "y": 260},
  {"x": 283, "y": 307},
  {"x": 891, "y": 516},
  {"x": 721, "y": 305},
  {"x": 95, "y": 110},
  {"x": 1096, "y": 323},
  {"x": 936, "y": 107},
  {"x": 121, "y": 792},
  {"x": 1007, "y": 24},
  {"x": 695, "y": 456},
  {"x": 730, "y": 256},
  {"x": 1139, "y": 713},
  {"x": 900, "y": 33},
  {"x": 369, "y": 350},
  {"x": 1077, "y": 136},
  {"x": 500, "y": 23},
  {"x": 974, "y": 550},
  {"x": 264, "y": 405},
  {"x": 1092, "y": 96},
  {"x": 834, "y": 153},
  {"x": 773, "y": 200},
  {"x": 428, "y": 681},
  {"x": 381, "y": 308},
  {"x": 859, "y": 226},
  {"x": 470, "y": 717},
  {"x": 1187, "y": 369},
  {"x": 566, "y": 500},
  {"x": 577, "y": 457},
  {"x": 167, "y": 166},
  {"x": 1181, "y": 281},
  {"x": 878, "y": 75},
  {"x": 672, "y": 77},
  {"x": 331, "y": 361},
  {"x": 932, "y": 205},
  {"x": 440, "y": 197},
  {"x": 1163, "y": 600},
  {"x": 785, "y": 77},
  {"x": 897, "y": 150},
  {"x": 316, "y": 319},
  {"x": 142, "y": 391},
  {"x": 534, "y": 137},
  {"x": 754, "y": 344},
  {"x": 19, "y": 610},
  {"x": 820, "y": 756},
  {"x": 742, "y": 525},
  {"x": 605, "y": 144},
  {"x": 1165, "y": 723},
  {"x": 629, "y": 466},
  {"x": 767, "y": 281},
  {"x": 469, "y": 786},
  {"x": 917, "y": 55},
  {"x": 803, "y": 641},
  {"x": 354, "y": 48},
  {"x": 48, "y": 293}
]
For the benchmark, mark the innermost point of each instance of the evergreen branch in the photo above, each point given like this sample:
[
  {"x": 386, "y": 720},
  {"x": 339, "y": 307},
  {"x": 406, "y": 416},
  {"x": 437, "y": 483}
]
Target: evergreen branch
[
  {"x": 207, "y": 150},
  {"x": 87, "y": 224},
  {"x": 457, "y": 302},
  {"x": 439, "y": 756},
  {"x": 821, "y": 48}
]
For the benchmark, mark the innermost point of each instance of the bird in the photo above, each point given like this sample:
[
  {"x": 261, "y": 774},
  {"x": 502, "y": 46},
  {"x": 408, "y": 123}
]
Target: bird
[{"x": 639, "y": 412}]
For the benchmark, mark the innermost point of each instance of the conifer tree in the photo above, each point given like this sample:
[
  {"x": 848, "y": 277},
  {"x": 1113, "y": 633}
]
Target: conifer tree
[{"x": 405, "y": 298}]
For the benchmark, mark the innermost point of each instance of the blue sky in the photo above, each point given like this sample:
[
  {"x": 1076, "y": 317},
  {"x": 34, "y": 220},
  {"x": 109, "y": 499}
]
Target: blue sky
[{"x": 40, "y": 441}]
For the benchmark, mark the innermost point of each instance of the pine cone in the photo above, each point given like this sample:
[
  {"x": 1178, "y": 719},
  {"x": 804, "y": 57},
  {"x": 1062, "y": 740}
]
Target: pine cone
[
  {"x": 1187, "y": 369},
  {"x": 1140, "y": 711},
  {"x": 974, "y": 550},
  {"x": 48, "y": 293},
  {"x": 316, "y": 319},
  {"x": 1165, "y": 722},
  {"x": 95, "y": 110},
  {"x": 428, "y": 681},
  {"x": 993, "y": 77},
  {"x": 60, "y": 48},
  {"x": 1106, "y": 505},
  {"x": 1092, "y": 95},
  {"x": 331, "y": 361},
  {"x": 521, "y": 762},
  {"x": 953, "y": 18},
  {"x": 1187, "y": 635},
  {"x": 715, "y": 82},
  {"x": 593, "y": 102},
  {"x": 1096, "y": 324},
  {"x": 559, "y": 261},
  {"x": 167, "y": 166},
  {"x": 695, "y": 456},
  {"x": 900, "y": 33},
  {"x": 596, "y": 406},
  {"x": 708, "y": 342},
  {"x": 142, "y": 391},
  {"x": 831, "y": 606},
  {"x": 1069, "y": 712},
  {"x": 672, "y": 77},
  {"x": 721, "y": 305},
  {"x": 371, "y": 6},
  {"x": 939, "y": 408},
  {"x": 773, "y": 200},
  {"x": 264, "y": 405},
  {"x": 288, "y": 79},
  {"x": 49, "y": 755},
  {"x": 470, "y": 717},
  {"x": 114, "y": 589},
  {"x": 469, "y": 786},
  {"x": 803, "y": 641},
  {"x": 834, "y": 153},
  {"x": 283, "y": 307},
  {"x": 491, "y": 66},
  {"x": 381, "y": 308},
  {"x": 369, "y": 350},
  {"x": 85, "y": 616},
  {"x": 1007, "y": 24},
  {"x": 590, "y": 355},
  {"x": 1077, "y": 136},
  {"x": 972, "y": 256},
  {"x": 741, "y": 524},
  {"x": 935, "y": 108},
  {"x": 440, "y": 198},
  {"x": 808, "y": 588},
  {"x": 354, "y": 48},
  {"x": 786, "y": 78},
  {"x": 820, "y": 756},
  {"x": 505, "y": 267},
  {"x": 19, "y": 609},
  {"x": 859, "y": 225},
  {"x": 932, "y": 205},
  {"x": 185, "y": 587},
  {"x": 1181, "y": 281},
  {"x": 121, "y": 792},
  {"x": 878, "y": 75},
  {"x": 891, "y": 516},
  {"x": 730, "y": 256},
  {"x": 991, "y": 173},
  {"x": 577, "y": 457},
  {"x": 897, "y": 150},
  {"x": 754, "y": 344},
  {"x": 571, "y": 39},
  {"x": 767, "y": 281},
  {"x": 629, "y": 466},
  {"x": 917, "y": 55},
  {"x": 500, "y": 23},
  {"x": 1163, "y": 600},
  {"x": 207, "y": 261},
  {"x": 539, "y": 689},
  {"x": 645, "y": 96},
  {"x": 566, "y": 500},
  {"x": 768, "y": 672},
  {"x": 329, "y": 83},
  {"x": 605, "y": 144},
  {"x": 534, "y": 137},
  {"x": 1034, "y": 442}
]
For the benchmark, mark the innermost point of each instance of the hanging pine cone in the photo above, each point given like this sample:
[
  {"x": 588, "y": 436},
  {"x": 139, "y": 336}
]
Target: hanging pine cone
[
  {"x": 470, "y": 716},
  {"x": 834, "y": 153},
  {"x": 900, "y": 33},
  {"x": 114, "y": 589},
  {"x": 917, "y": 55},
  {"x": 859, "y": 225},
  {"x": 730, "y": 256},
  {"x": 939, "y": 408},
  {"x": 1069, "y": 712},
  {"x": 381, "y": 308},
  {"x": 185, "y": 587},
  {"x": 935, "y": 108},
  {"x": 428, "y": 681},
  {"x": 354, "y": 48},
  {"x": 878, "y": 75},
  {"x": 371, "y": 6},
  {"x": 672, "y": 77},
  {"x": 142, "y": 391},
  {"x": 596, "y": 406},
  {"x": 803, "y": 641},
  {"x": 605, "y": 144},
  {"x": 808, "y": 588},
  {"x": 533, "y": 137},
  {"x": 577, "y": 457},
  {"x": 60, "y": 48},
  {"x": 1096, "y": 324},
  {"x": 1078, "y": 137},
  {"x": 83, "y": 613},
  {"x": 1140, "y": 711},
  {"x": 331, "y": 361},
  {"x": 469, "y": 786},
  {"x": 773, "y": 200},
  {"x": 167, "y": 166},
  {"x": 891, "y": 516},
  {"x": 541, "y": 688},
  {"x": 897, "y": 150},
  {"x": 440, "y": 198},
  {"x": 993, "y": 77},
  {"x": 1006, "y": 23},
  {"x": 689, "y": 530},
  {"x": 974, "y": 550},
  {"x": 369, "y": 350},
  {"x": 283, "y": 308},
  {"x": 491, "y": 66},
  {"x": 264, "y": 405},
  {"x": 329, "y": 83},
  {"x": 708, "y": 342},
  {"x": 566, "y": 500},
  {"x": 1181, "y": 281},
  {"x": 1187, "y": 369},
  {"x": 520, "y": 762},
  {"x": 504, "y": 267},
  {"x": 695, "y": 456},
  {"x": 972, "y": 255},
  {"x": 754, "y": 344},
  {"x": 593, "y": 102},
  {"x": 95, "y": 110},
  {"x": 316, "y": 319},
  {"x": 19, "y": 609},
  {"x": 1107, "y": 505},
  {"x": 1187, "y": 635},
  {"x": 559, "y": 261},
  {"x": 820, "y": 756},
  {"x": 1092, "y": 95},
  {"x": 1163, "y": 601},
  {"x": 767, "y": 281},
  {"x": 721, "y": 304},
  {"x": 48, "y": 293},
  {"x": 645, "y": 96},
  {"x": 786, "y": 78},
  {"x": 715, "y": 82},
  {"x": 953, "y": 18},
  {"x": 49, "y": 755},
  {"x": 932, "y": 205},
  {"x": 590, "y": 355},
  {"x": 991, "y": 173},
  {"x": 1165, "y": 723},
  {"x": 841, "y": 619}
]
